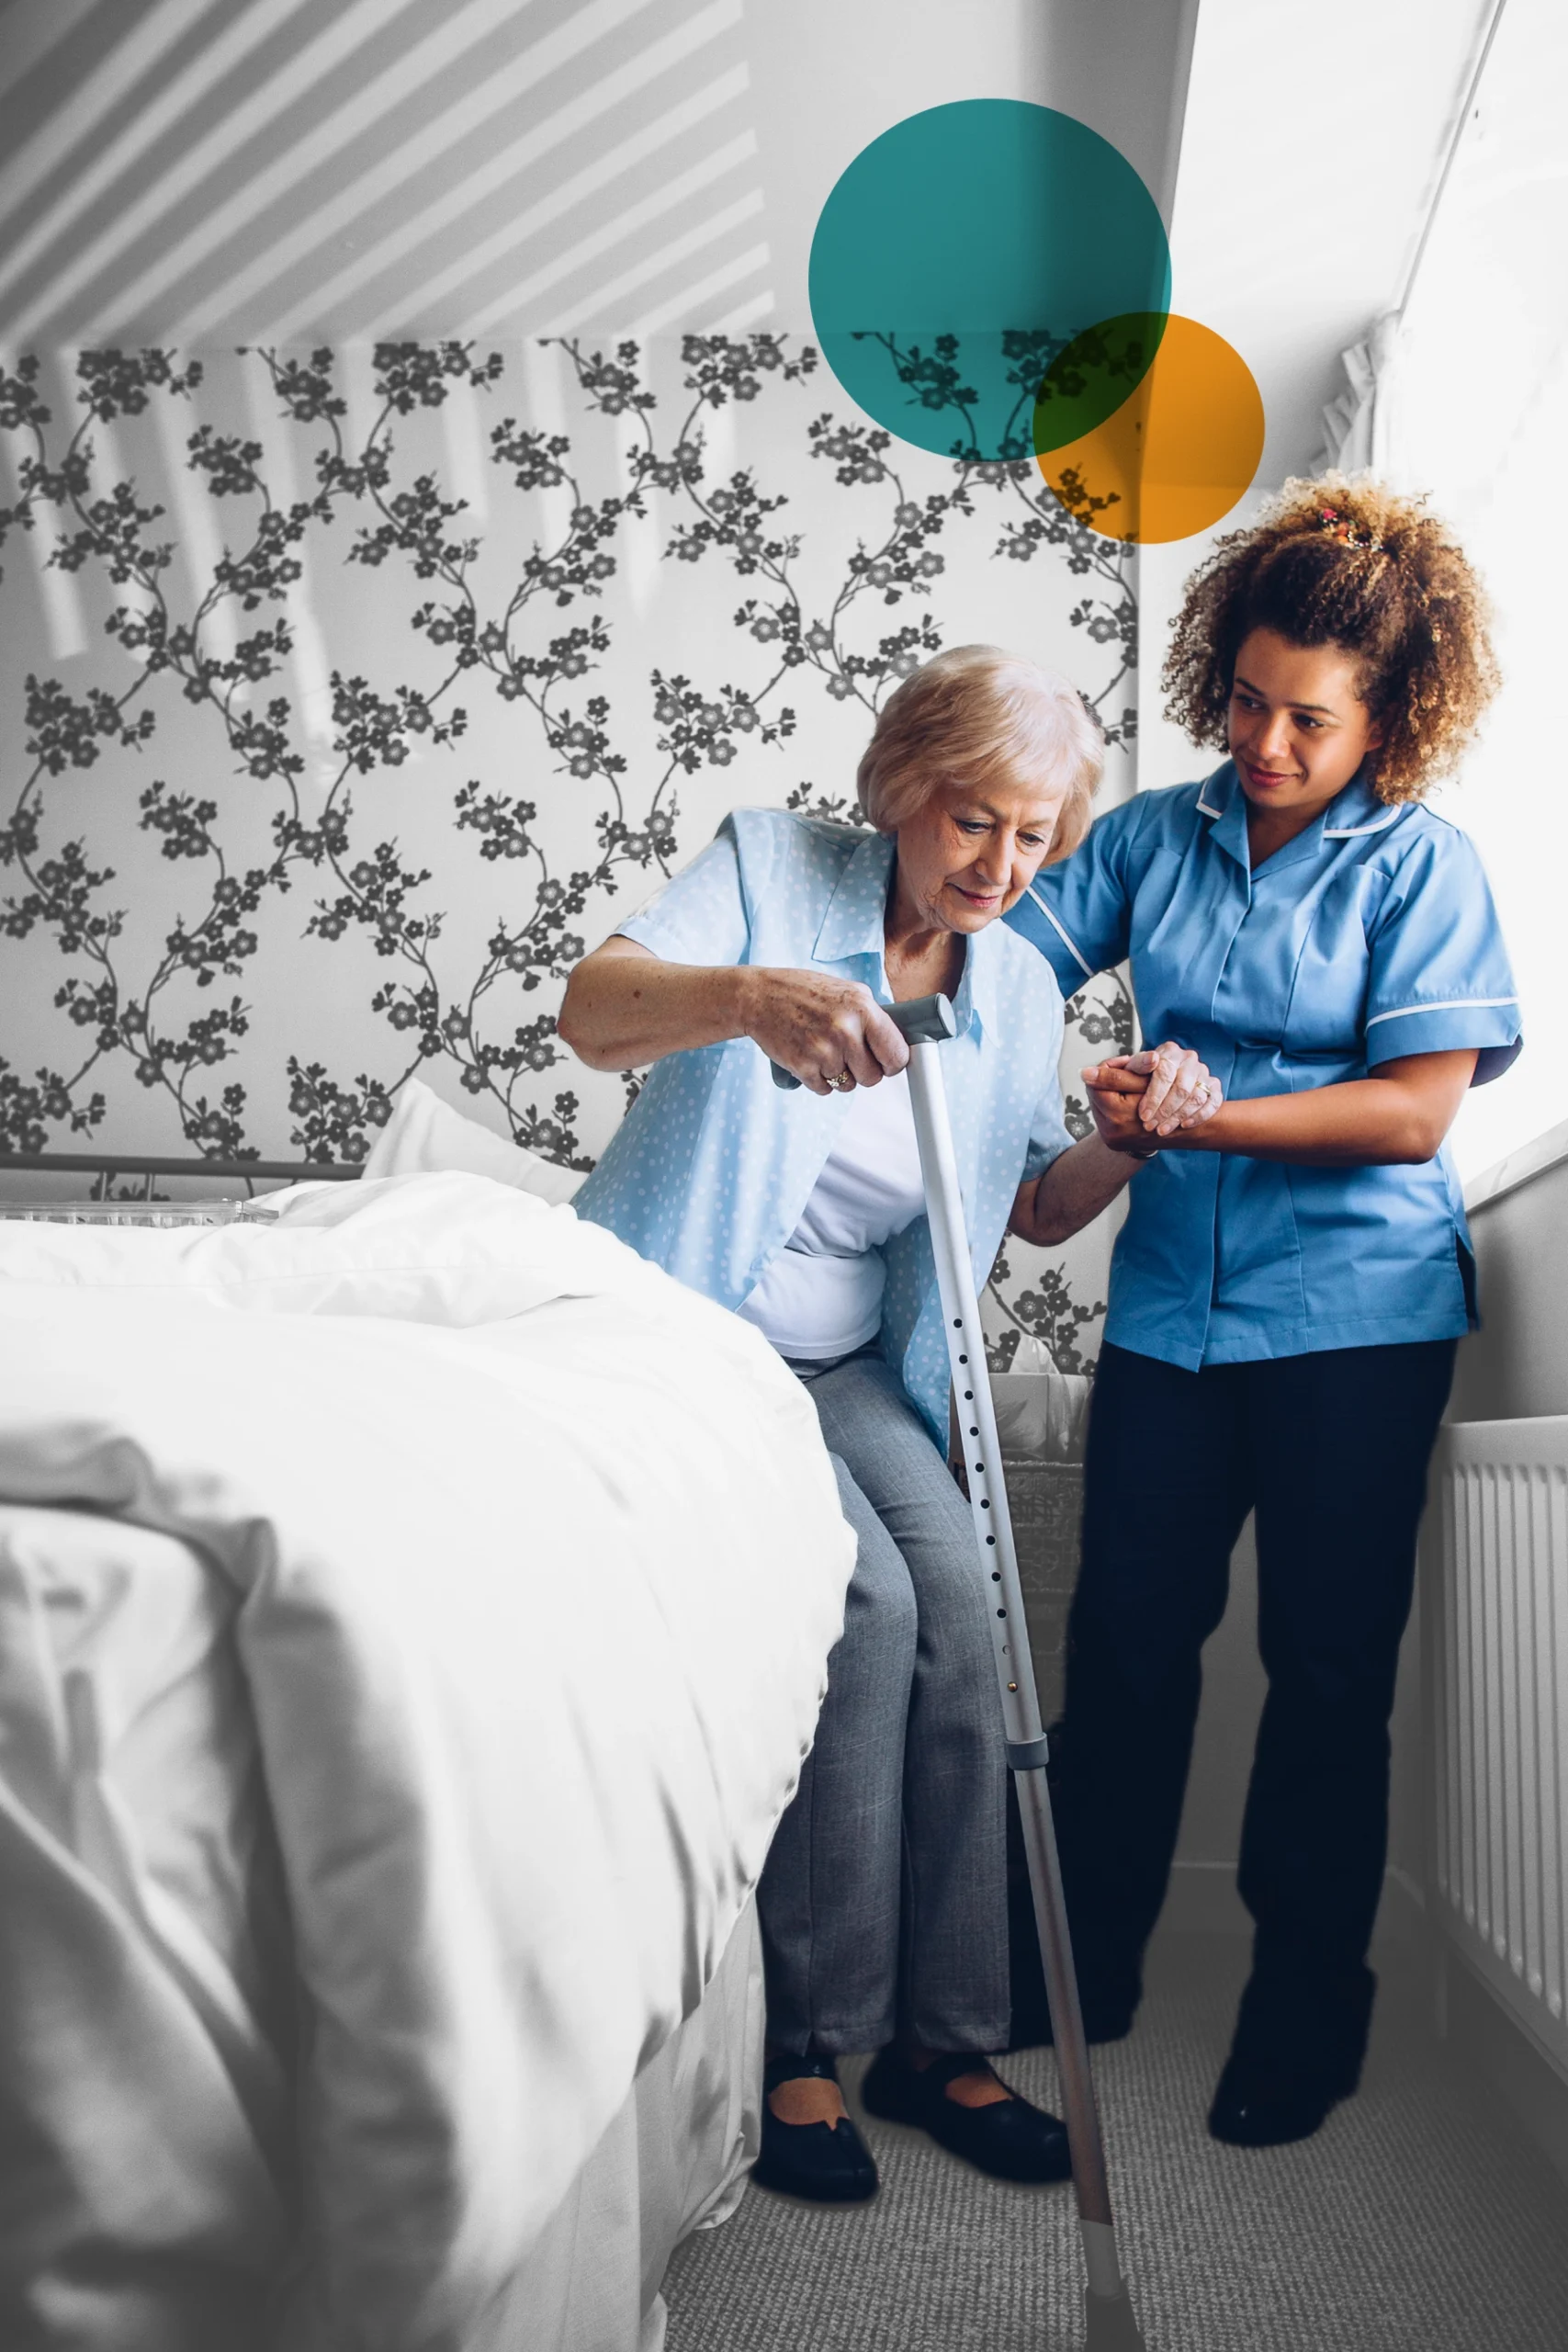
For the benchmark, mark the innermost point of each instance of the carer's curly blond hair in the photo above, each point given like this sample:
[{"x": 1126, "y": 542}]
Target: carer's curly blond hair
[
  {"x": 1380, "y": 577},
  {"x": 973, "y": 715}
]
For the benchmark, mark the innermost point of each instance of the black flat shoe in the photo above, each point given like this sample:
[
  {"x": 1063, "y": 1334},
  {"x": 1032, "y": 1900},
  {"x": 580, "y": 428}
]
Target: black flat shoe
[
  {"x": 827, "y": 2163},
  {"x": 1259, "y": 2108},
  {"x": 1010, "y": 2140}
]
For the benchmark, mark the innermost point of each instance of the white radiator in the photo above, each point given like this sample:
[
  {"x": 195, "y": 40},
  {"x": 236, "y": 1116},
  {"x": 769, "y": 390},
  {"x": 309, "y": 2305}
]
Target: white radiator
[{"x": 1497, "y": 1641}]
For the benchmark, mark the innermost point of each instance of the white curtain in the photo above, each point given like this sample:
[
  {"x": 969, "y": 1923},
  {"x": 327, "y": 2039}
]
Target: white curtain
[
  {"x": 1464, "y": 394},
  {"x": 1356, "y": 424}
]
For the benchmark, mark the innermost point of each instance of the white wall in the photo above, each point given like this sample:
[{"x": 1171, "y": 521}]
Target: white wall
[{"x": 1516, "y": 1365}]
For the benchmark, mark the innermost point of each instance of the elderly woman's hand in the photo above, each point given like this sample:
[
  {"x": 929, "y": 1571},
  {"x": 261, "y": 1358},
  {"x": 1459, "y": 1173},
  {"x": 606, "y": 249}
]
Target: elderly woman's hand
[
  {"x": 824, "y": 1031},
  {"x": 1137, "y": 1099},
  {"x": 625, "y": 1006}
]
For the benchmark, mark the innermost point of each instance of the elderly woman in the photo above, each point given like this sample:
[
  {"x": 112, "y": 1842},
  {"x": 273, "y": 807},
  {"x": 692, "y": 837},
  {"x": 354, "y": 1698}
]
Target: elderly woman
[{"x": 882, "y": 1904}]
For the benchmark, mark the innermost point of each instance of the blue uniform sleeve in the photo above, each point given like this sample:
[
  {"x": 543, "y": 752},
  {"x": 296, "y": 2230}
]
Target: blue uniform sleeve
[
  {"x": 699, "y": 916},
  {"x": 1440, "y": 978},
  {"x": 1078, "y": 913}
]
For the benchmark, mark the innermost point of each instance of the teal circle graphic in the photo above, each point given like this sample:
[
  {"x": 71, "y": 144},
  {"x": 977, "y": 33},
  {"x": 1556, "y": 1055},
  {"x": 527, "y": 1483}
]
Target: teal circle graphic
[{"x": 961, "y": 252}]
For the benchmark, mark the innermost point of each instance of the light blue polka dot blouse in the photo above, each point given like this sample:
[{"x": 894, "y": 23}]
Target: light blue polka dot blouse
[{"x": 713, "y": 1166}]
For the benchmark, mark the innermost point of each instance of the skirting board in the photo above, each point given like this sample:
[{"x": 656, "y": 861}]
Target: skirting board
[
  {"x": 1202, "y": 1900},
  {"x": 1491, "y": 2044},
  {"x": 1480, "y": 2034}
]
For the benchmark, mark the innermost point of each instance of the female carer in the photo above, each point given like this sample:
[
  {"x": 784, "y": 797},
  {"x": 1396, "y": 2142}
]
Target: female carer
[
  {"x": 883, "y": 1902},
  {"x": 1294, "y": 1276}
]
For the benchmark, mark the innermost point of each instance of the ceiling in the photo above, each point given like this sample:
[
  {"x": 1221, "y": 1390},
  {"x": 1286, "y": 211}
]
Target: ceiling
[
  {"x": 221, "y": 171},
  {"x": 1315, "y": 135}
]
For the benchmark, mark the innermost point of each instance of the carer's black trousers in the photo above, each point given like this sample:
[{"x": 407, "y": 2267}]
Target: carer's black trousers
[{"x": 1331, "y": 1450}]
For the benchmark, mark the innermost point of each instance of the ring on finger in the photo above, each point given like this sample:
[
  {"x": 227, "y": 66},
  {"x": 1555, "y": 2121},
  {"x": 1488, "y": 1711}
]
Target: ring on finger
[{"x": 842, "y": 1083}]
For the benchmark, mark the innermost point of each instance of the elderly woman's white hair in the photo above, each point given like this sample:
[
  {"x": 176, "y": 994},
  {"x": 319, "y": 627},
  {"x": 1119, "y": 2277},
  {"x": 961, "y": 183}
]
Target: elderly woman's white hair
[{"x": 975, "y": 714}]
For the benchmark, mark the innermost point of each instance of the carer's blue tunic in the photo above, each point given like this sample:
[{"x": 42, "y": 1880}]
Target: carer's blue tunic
[{"x": 1371, "y": 936}]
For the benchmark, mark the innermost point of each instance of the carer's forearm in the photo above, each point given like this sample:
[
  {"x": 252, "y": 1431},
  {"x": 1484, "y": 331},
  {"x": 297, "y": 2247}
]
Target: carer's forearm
[
  {"x": 1072, "y": 1192},
  {"x": 1365, "y": 1122},
  {"x": 621, "y": 1011}
]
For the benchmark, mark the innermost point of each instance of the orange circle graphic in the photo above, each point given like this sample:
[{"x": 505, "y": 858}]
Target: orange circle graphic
[{"x": 1178, "y": 452}]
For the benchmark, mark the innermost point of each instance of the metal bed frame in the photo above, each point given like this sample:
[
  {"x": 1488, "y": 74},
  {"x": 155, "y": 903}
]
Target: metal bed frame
[
  {"x": 107, "y": 1164},
  {"x": 103, "y": 1206}
]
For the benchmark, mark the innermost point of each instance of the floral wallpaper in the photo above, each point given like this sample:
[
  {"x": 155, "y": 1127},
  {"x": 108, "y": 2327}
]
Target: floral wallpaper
[{"x": 349, "y": 696}]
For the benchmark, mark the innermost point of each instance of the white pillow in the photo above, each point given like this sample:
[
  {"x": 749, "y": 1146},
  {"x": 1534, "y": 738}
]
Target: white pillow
[
  {"x": 452, "y": 1248},
  {"x": 425, "y": 1136}
]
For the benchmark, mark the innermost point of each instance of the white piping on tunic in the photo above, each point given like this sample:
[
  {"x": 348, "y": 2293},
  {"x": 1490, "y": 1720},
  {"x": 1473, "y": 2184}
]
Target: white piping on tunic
[
  {"x": 1087, "y": 969},
  {"x": 1330, "y": 832},
  {"x": 1344, "y": 832},
  {"x": 1449, "y": 1005}
]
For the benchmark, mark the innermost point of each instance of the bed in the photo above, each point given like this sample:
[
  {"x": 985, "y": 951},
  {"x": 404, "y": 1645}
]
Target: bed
[{"x": 416, "y": 1612}]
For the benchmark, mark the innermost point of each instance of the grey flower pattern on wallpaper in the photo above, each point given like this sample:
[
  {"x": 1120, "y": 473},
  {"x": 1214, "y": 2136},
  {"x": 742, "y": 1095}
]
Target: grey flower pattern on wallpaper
[{"x": 162, "y": 912}]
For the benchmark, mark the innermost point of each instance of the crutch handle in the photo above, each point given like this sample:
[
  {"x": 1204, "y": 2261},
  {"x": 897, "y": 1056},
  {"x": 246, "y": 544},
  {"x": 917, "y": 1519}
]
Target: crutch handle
[{"x": 925, "y": 1020}]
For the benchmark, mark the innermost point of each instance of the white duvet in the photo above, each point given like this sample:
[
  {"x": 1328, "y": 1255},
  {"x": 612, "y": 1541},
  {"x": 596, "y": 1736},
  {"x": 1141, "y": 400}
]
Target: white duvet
[{"x": 536, "y": 1560}]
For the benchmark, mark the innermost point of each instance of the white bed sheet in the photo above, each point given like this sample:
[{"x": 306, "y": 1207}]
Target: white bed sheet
[
  {"x": 533, "y": 1616},
  {"x": 147, "y": 2181}
]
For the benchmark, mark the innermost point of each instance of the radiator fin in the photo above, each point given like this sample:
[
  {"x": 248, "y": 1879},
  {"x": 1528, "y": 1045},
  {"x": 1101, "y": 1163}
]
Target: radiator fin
[{"x": 1497, "y": 1685}]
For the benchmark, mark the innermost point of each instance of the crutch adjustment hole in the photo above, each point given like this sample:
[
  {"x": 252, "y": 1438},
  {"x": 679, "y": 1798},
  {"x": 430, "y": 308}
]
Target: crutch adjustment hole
[
  {"x": 996, "y": 1576},
  {"x": 979, "y": 1465},
  {"x": 962, "y": 1359},
  {"x": 968, "y": 1395},
  {"x": 990, "y": 1539},
  {"x": 1001, "y": 1612},
  {"x": 958, "y": 1322},
  {"x": 984, "y": 1503},
  {"x": 975, "y": 1432}
]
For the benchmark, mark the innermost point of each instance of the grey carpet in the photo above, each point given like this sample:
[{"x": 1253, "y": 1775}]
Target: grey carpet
[{"x": 1418, "y": 2220}]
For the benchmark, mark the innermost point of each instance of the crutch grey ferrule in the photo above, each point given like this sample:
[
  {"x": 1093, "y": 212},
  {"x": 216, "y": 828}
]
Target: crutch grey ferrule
[{"x": 1028, "y": 1755}]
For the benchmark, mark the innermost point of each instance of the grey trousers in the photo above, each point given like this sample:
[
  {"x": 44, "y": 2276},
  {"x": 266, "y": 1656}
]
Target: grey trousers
[{"x": 883, "y": 1900}]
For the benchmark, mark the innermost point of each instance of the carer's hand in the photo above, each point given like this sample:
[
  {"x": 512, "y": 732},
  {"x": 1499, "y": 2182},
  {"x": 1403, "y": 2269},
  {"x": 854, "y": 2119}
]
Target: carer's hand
[
  {"x": 823, "y": 1030},
  {"x": 1138, "y": 1098}
]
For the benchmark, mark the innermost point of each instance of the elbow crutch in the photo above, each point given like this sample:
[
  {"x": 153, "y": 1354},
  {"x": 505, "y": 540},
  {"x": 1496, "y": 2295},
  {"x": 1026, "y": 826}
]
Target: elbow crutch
[{"x": 1111, "y": 2324}]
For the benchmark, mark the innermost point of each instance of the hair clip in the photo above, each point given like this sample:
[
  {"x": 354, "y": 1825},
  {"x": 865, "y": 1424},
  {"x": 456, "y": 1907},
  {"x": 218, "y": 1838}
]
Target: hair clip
[{"x": 1330, "y": 520}]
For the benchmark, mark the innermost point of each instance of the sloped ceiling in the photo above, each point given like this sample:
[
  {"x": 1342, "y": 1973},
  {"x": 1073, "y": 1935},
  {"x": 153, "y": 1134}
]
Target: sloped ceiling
[
  {"x": 279, "y": 169},
  {"x": 209, "y": 169},
  {"x": 1314, "y": 136},
  {"x": 221, "y": 171}
]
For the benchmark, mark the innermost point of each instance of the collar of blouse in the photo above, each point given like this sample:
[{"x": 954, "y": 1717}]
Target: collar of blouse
[{"x": 853, "y": 929}]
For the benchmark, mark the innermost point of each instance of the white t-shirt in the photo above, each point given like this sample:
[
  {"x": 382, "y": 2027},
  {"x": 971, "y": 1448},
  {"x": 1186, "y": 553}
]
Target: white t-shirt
[{"x": 822, "y": 1293}]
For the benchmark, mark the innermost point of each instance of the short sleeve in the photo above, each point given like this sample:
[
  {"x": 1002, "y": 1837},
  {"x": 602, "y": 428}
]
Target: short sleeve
[
  {"x": 1441, "y": 978},
  {"x": 1078, "y": 913},
  {"x": 1049, "y": 1135},
  {"x": 699, "y": 916}
]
